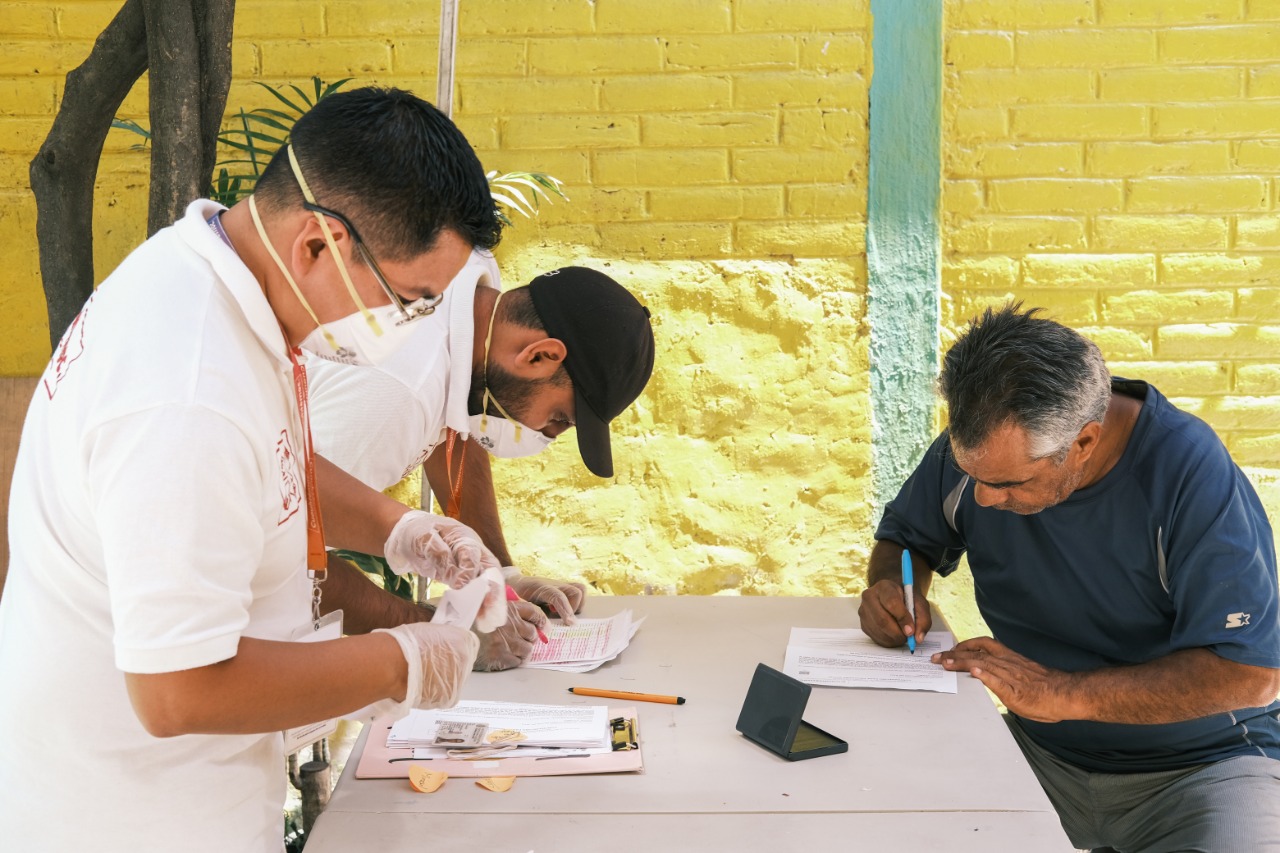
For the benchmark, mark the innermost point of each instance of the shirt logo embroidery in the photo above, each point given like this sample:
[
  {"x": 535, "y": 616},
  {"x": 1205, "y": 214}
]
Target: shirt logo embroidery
[
  {"x": 290, "y": 483},
  {"x": 1237, "y": 620},
  {"x": 70, "y": 348},
  {"x": 417, "y": 463}
]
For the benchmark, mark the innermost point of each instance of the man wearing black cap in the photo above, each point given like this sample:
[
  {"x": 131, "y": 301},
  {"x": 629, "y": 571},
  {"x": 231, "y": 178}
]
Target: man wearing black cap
[{"x": 490, "y": 373}]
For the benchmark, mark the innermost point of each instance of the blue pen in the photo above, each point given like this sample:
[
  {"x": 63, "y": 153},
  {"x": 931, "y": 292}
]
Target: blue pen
[{"x": 909, "y": 596}]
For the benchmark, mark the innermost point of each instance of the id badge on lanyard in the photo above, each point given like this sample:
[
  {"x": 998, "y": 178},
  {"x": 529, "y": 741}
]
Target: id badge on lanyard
[
  {"x": 317, "y": 628},
  {"x": 327, "y": 627}
]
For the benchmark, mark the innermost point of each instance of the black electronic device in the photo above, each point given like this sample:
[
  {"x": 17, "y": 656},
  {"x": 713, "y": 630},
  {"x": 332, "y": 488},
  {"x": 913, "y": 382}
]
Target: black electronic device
[{"x": 771, "y": 716}]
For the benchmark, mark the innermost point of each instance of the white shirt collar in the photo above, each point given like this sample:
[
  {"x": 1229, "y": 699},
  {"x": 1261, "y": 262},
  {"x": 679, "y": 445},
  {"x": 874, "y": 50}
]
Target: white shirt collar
[
  {"x": 481, "y": 270},
  {"x": 194, "y": 230}
]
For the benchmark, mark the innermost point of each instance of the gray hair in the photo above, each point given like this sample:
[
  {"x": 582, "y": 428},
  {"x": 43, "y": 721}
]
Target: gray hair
[{"x": 1011, "y": 366}]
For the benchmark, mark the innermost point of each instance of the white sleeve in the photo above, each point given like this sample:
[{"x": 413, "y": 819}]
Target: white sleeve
[{"x": 177, "y": 493}]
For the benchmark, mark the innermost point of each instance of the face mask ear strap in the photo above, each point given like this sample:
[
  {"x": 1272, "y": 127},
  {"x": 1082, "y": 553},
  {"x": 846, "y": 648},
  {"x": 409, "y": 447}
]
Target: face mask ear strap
[
  {"x": 484, "y": 418},
  {"x": 333, "y": 245},
  {"x": 484, "y": 403},
  {"x": 275, "y": 256}
]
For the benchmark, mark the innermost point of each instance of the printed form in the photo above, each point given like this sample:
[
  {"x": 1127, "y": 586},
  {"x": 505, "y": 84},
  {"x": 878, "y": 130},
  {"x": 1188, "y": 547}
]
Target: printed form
[
  {"x": 585, "y": 645},
  {"x": 583, "y": 726},
  {"x": 847, "y": 657}
]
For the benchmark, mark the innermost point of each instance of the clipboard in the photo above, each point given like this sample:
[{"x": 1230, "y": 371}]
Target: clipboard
[
  {"x": 771, "y": 717},
  {"x": 378, "y": 761}
]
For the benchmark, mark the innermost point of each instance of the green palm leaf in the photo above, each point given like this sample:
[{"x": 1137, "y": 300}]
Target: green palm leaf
[
  {"x": 276, "y": 93},
  {"x": 256, "y": 135}
]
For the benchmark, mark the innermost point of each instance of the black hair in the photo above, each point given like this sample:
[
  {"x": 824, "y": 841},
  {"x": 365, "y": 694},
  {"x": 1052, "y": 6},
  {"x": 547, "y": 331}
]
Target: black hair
[
  {"x": 517, "y": 308},
  {"x": 392, "y": 164},
  {"x": 1011, "y": 366}
]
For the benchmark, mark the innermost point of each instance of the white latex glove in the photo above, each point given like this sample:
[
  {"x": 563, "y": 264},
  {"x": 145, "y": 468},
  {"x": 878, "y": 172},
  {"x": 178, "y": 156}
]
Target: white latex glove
[
  {"x": 437, "y": 548},
  {"x": 439, "y": 658},
  {"x": 510, "y": 645},
  {"x": 493, "y": 610},
  {"x": 563, "y": 599}
]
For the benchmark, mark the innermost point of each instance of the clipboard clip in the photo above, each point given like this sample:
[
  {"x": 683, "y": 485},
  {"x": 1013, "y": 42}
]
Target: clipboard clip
[{"x": 624, "y": 733}]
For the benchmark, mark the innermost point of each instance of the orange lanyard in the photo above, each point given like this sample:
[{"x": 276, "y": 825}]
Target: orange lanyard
[
  {"x": 317, "y": 559},
  {"x": 454, "y": 509}
]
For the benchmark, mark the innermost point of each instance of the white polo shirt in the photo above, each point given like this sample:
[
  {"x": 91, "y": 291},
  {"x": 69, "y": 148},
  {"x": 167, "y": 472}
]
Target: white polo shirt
[
  {"x": 380, "y": 423},
  {"x": 156, "y": 517}
]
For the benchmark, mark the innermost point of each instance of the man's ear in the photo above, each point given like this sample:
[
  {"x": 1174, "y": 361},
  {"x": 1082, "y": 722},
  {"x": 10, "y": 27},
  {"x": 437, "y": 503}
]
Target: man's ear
[
  {"x": 310, "y": 244},
  {"x": 540, "y": 359},
  {"x": 1087, "y": 440}
]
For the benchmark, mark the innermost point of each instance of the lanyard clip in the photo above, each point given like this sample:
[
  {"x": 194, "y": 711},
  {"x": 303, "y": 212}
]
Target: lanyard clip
[{"x": 316, "y": 593}]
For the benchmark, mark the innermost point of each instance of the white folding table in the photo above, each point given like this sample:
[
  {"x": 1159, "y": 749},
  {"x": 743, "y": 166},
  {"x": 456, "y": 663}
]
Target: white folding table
[{"x": 925, "y": 771}]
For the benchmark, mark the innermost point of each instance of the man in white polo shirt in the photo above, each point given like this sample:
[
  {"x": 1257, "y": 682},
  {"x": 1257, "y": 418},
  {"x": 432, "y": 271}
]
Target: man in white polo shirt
[
  {"x": 165, "y": 517},
  {"x": 491, "y": 373}
]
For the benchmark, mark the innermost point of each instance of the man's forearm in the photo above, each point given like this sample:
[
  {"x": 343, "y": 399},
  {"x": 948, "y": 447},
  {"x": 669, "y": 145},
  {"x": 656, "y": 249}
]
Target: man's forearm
[
  {"x": 885, "y": 563},
  {"x": 477, "y": 499},
  {"x": 269, "y": 686},
  {"x": 364, "y": 605},
  {"x": 1182, "y": 686},
  {"x": 356, "y": 517}
]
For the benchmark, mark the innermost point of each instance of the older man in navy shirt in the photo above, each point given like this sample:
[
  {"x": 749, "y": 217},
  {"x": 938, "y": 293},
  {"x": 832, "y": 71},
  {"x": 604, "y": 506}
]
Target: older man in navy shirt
[{"x": 1127, "y": 572}]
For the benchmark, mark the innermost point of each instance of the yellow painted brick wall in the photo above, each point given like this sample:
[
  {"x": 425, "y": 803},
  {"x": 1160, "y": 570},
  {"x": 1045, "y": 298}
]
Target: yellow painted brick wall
[
  {"x": 715, "y": 157},
  {"x": 1117, "y": 162},
  {"x": 1113, "y": 160}
]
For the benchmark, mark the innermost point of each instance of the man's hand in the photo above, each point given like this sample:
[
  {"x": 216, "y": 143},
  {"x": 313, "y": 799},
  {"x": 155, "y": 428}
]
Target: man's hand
[
  {"x": 508, "y": 646},
  {"x": 562, "y": 599},
  {"x": 437, "y": 548},
  {"x": 438, "y": 658},
  {"x": 883, "y": 614},
  {"x": 1024, "y": 686}
]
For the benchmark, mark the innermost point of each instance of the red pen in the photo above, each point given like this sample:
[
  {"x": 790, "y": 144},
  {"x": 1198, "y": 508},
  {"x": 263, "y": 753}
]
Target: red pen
[{"x": 511, "y": 596}]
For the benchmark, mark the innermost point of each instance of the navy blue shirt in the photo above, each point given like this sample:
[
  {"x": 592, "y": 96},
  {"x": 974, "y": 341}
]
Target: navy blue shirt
[{"x": 1170, "y": 550}]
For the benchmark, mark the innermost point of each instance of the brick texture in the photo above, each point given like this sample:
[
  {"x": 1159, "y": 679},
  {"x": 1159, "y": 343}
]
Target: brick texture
[
  {"x": 746, "y": 98},
  {"x": 1116, "y": 161},
  {"x": 715, "y": 158}
]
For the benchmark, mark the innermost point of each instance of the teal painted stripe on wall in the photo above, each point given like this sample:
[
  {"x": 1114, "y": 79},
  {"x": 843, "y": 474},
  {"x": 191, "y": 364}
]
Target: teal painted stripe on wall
[{"x": 903, "y": 235}]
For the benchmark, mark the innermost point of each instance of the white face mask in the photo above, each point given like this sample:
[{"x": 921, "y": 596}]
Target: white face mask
[
  {"x": 366, "y": 336},
  {"x": 353, "y": 339},
  {"x": 504, "y": 437}
]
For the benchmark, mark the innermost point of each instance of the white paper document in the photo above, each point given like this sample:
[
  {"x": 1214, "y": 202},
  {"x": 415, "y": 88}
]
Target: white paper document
[
  {"x": 847, "y": 657},
  {"x": 585, "y": 645},
  {"x": 515, "y": 723},
  {"x": 459, "y": 607}
]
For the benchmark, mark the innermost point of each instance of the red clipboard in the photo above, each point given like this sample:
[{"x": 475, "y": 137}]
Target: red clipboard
[{"x": 378, "y": 761}]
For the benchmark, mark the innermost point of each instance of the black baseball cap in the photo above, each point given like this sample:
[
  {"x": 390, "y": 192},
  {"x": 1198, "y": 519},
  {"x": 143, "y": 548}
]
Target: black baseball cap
[{"x": 609, "y": 350}]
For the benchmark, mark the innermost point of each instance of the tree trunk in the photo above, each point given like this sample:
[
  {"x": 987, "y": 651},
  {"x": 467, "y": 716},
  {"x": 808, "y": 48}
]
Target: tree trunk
[
  {"x": 214, "y": 26},
  {"x": 189, "y": 47},
  {"x": 65, "y": 168},
  {"x": 187, "y": 44}
]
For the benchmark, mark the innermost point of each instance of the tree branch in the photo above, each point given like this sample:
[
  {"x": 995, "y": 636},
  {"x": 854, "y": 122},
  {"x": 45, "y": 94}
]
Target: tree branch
[
  {"x": 176, "y": 123},
  {"x": 65, "y": 168},
  {"x": 214, "y": 20}
]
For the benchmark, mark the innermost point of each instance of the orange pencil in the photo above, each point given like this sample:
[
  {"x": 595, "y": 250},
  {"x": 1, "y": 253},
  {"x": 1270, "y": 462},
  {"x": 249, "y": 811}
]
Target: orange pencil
[{"x": 627, "y": 694}]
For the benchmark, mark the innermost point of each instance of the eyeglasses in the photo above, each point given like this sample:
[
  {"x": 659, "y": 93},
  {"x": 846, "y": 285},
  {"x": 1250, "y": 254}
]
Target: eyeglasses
[{"x": 409, "y": 311}]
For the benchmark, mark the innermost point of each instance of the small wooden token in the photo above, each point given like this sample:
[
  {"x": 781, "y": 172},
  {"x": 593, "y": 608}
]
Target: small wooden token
[
  {"x": 497, "y": 784},
  {"x": 426, "y": 781}
]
